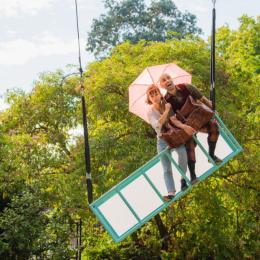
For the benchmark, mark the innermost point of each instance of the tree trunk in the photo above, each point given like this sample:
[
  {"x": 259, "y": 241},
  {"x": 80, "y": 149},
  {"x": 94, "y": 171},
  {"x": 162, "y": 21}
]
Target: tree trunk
[{"x": 163, "y": 232}]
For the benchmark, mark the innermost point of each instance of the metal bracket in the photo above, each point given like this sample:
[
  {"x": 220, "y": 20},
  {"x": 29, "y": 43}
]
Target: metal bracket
[{"x": 88, "y": 175}]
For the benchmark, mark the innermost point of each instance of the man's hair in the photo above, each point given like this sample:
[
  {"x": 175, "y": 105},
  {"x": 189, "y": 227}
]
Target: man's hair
[
  {"x": 150, "y": 89},
  {"x": 163, "y": 75}
]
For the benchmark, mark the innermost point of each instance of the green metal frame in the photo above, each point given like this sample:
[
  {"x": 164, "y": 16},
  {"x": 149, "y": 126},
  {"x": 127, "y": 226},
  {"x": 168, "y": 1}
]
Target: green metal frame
[{"x": 227, "y": 136}]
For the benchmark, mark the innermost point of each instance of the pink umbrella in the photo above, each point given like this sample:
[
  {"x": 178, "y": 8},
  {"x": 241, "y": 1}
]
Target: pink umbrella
[{"x": 151, "y": 75}]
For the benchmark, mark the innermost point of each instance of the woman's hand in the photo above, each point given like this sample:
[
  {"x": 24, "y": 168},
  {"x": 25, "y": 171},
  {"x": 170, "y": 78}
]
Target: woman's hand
[
  {"x": 189, "y": 130},
  {"x": 164, "y": 116},
  {"x": 168, "y": 107}
]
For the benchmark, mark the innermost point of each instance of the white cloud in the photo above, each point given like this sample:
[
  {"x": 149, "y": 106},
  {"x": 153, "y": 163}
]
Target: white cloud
[
  {"x": 10, "y": 8},
  {"x": 21, "y": 51},
  {"x": 194, "y": 6},
  {"x": 11, "y": 32},
  {"x": 3, "y": 105}
]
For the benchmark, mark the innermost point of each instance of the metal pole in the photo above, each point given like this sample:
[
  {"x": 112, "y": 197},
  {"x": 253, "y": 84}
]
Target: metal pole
[
  {"x": 84, "y": 118},
  {"x": 77, "y": 241},
  {"x": 212, "y": 58},
  {"x": 80, "y": 237}
]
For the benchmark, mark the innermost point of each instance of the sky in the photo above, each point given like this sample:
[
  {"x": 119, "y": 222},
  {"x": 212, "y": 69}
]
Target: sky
[{"x": 40, "y": 35}]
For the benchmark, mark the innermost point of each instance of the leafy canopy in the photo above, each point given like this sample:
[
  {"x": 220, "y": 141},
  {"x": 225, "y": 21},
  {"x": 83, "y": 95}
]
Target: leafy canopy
[{"x": 132, "y": 20}]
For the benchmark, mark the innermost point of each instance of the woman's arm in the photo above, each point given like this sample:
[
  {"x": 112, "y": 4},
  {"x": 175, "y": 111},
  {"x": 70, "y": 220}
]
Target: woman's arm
[{"x": 165, "y": 114}]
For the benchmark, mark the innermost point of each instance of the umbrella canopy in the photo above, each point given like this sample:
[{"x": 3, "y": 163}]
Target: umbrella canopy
[{"x": 151, "y": 75}]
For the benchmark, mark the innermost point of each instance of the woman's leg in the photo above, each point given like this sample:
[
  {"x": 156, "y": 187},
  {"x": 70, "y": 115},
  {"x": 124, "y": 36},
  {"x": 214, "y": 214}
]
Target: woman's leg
[
  {"x": 167, "y": 168},
  {"x": 182, "y": 162},
  {"x": 182, "y": 158}
]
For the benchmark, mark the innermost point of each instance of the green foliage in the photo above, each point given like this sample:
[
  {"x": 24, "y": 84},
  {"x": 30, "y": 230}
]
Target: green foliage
[
  {"x": 37, "y": 174},
  {"x": 132, "y": 20},
  {"x": 28, "y": 228}
]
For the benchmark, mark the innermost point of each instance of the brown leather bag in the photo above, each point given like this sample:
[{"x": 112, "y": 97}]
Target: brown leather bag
[
  {"x": 174, "y": 136},
  {"x": 192, "y": 113},
  {"x": 195, "y": 114}
]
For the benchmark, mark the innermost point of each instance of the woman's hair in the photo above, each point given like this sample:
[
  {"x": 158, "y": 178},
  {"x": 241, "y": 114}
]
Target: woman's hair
[{"x": 150, "y": 89}]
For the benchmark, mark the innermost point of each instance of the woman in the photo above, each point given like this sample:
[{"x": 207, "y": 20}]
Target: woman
[{"x": 158, "y": 113}]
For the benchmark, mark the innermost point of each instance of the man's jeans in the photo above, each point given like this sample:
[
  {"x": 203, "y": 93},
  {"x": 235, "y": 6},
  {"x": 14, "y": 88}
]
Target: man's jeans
[{"x": 166, "y": 163}]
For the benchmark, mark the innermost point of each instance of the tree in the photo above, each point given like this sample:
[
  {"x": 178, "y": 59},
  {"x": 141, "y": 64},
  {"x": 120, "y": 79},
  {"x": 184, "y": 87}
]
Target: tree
[
  {"x": 37, "y": 172},
  {"x": 132, "y": 20}
]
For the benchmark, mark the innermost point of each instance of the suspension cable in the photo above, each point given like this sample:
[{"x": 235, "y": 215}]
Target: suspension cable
[
  {"x": 84, "y": 118},
  {"x": 79, "y": 51},
  {"x": 212, "y": 58}
]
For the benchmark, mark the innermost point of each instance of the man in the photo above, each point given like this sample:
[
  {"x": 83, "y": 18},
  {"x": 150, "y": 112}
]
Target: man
[{"x": 176, "y": 96}]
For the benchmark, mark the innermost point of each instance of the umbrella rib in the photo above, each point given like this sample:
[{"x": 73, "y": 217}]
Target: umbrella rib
[
  {"x": 137, "y": 100},
  {"x": 166, "y": 67},
  {"x": 164, "y": 71},
  {"x": 138, "y": 84},
  {"x": 150, "y": 76},
  {"x": 181, "y": 76}
]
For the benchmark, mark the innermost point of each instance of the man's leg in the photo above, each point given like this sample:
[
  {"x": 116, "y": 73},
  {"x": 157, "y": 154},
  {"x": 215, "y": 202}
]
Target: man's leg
[
  {"x": 213, "y": 134},
  {"x": 190, "y": 148}
]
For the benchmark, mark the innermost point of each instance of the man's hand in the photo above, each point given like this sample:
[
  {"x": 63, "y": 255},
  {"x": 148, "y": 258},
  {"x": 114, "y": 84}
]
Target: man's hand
[
  {"x": 206, "y": 101},
  {"x": 189, "y": 130}
]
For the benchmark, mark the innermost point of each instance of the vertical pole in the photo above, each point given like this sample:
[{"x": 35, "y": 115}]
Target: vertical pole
[
  {"x": 212, "y": 58},
  {"x": 80, "y": 237},
  {"x": 86, "y": 146},
  {"x": 84, "y": 118},
  {"x": 77, "y": 241}
]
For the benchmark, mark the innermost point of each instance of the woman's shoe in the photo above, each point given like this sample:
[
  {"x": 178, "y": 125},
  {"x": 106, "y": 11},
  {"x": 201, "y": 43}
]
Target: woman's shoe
[
  {"x": 168, "y": 197},
  {"x": 184, "y": 185}
]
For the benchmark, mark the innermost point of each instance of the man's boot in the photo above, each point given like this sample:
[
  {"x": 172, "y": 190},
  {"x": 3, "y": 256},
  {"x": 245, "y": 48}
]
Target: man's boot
[
  {"x": 212, "y": 147},
  {"x": 193, "y": 177}
]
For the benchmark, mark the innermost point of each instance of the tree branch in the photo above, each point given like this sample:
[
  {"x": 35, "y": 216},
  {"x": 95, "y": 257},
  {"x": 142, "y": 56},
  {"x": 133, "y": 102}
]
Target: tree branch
[
  {"x": 236, "y": 172},
  {"x": 243, "y": 186}
]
